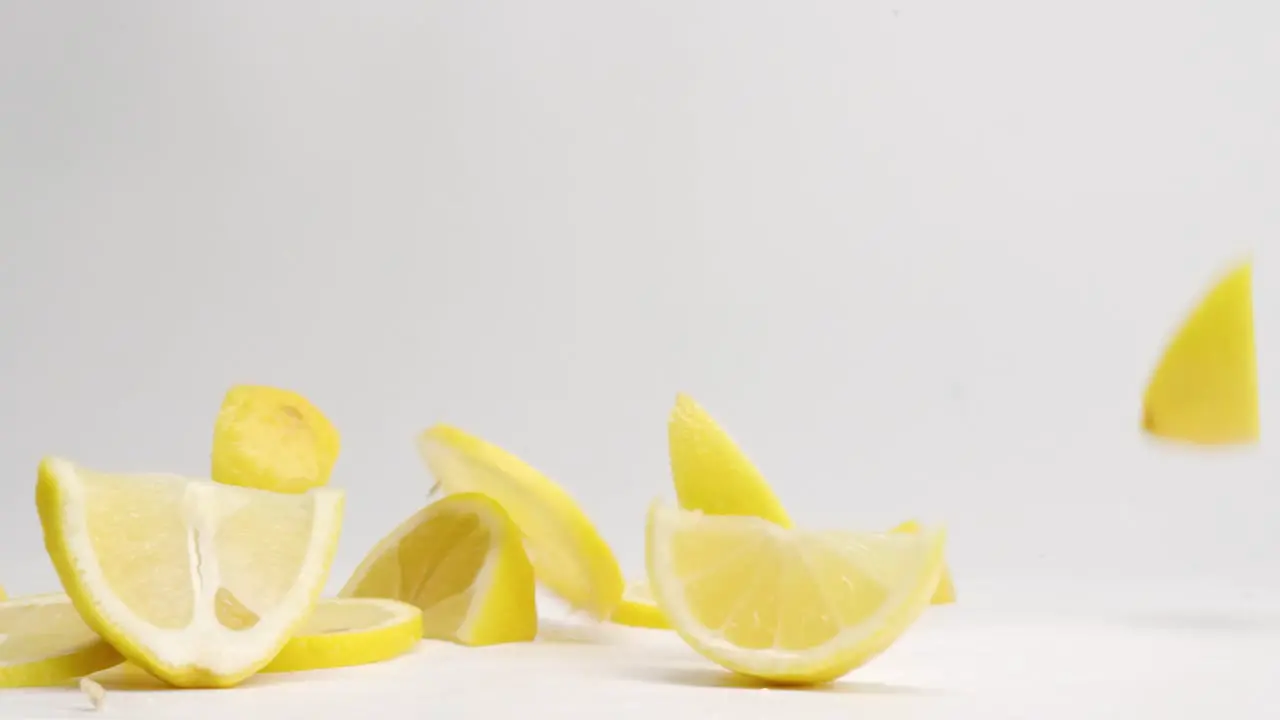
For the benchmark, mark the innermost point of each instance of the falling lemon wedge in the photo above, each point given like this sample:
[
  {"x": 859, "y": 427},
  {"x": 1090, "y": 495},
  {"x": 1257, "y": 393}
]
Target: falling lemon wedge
[{"x": 1205, "y": 388}]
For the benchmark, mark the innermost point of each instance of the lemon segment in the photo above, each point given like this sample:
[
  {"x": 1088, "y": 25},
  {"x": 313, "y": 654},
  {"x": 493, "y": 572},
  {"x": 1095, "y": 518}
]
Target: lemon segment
[
  {"x": 638, "y": 609},
  {"x": 787, "y": 606},
  {"x": 198, "y": 583},
  {"x": 350, "y": 631},
  {"x": 460, "y": 560},
  {"x": 44, "y": 642},
  {"x": 569, "y": 556},
  {"x": 711, "y": 473},
  {"x": 1205, "y": 388},
  {"x": 272, "y": 439},
  {"x": 946, "y": 592}
]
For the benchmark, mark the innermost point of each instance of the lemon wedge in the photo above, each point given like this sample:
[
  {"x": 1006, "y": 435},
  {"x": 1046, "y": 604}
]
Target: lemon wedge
[
  {"x": 711, "y": 473},
  {"x": 567, "y": 552},
  {"x": 200, "y": 584},
  {"x": 946, "y": 592},
  {"x": 461, "y": 560},
  {"x": 43, "y": 641},
  {"x": 787, "y": 606},
  {"x": 350, "y": 631},
  {"x": 1205, "y": 388},
  {"x": 714, "y": 476},
  {"x": 638, "y": 609},
  {"x": 272, "y": 439}
]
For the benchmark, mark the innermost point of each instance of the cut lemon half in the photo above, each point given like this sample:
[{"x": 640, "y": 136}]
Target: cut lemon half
[
  {"x": 199, "y": 584},
  {"x": 714, "y": 476},
  {"x": 350, "y": 631},
  {"x": 1205, "y": 388},
  {"x": 567, "y": 552},
  {"x": 43, "y": 641},
  {"x": 711, "y": 473},
  {"x": 787, "y": 606},
  {"x": 461, "y": 560},
  {"x": 638, "y": 609},
  {"x": 272, "y": 439}
]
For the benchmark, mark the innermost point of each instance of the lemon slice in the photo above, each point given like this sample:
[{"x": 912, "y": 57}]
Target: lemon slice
[
  {"x": 1205, "y": 389},
  {"x": 461, "y": 561},
  {"x": 272, "y": 439},
  {"x": 638, "y": 609},
  {"x": 713, "y": 475},
  {"x": 787, "y": 606},
  {"x": 567, "y": 552},
  {"x": 199, "y": 584},
  {"x": 43, "y": 641},
  {"x": 350, "y": 631}
]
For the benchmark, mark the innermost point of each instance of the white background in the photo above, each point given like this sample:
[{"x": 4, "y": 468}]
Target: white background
[{"x": 917, "y": 256}]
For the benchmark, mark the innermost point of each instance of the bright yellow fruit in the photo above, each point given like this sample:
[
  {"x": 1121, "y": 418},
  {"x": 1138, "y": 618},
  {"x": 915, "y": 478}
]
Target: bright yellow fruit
[
  {"x": 462, "y": 561},
  {"x": 198, "y": 583},
  {"x": 350, "y": 631},
  {"x": 1205, "y": 389},
  {"x": 638, "y": 609},
  {"x": 787, "y": 606},
  {"x": 946, "y": 592},
  {"x": 272, "y": 439},
  {"x": 711, "y": 474},
  {"x": 567, "y": 552},
  {"x": 43, "y": 641}
]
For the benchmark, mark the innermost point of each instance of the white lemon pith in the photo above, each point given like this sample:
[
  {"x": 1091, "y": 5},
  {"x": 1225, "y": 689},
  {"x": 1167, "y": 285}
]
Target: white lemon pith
[
  {"x": 461, "y": 561},
  {"x": 787, "y": 606},
  {"x": 350, "y": 631},
  {"x": 569, "y": 556},
  {"x": 43, "y": 641},
  {"x": 198, "y": 583}
]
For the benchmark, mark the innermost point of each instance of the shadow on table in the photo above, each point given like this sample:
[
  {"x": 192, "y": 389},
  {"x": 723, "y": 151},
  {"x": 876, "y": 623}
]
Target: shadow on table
[
  {"x": 713, "y": 678},
  {"x": 131, "y": 678}
]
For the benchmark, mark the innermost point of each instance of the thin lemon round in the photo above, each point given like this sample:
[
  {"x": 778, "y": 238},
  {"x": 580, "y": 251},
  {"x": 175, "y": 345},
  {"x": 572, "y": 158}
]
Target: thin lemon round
[
  {"x": 638, "y": 609},
  {"x": 1205, "y": 388},
  {"x": 350, "y": 631},
  {"x": 200, "y": 584},
  {"x": 43, "y": 642},
  {"x": 460, "y": 560},
  {"x": 272, "y": 439},
  {"x": 787, "y": 606},
  {"x": 569, "y": 556}
]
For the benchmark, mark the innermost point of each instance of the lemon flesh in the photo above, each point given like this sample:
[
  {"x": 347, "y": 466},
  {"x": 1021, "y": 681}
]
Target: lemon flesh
[
  {"x": 1205, "y": 388},
  {"x": 714, "y": 476},
  {"x": 272, "y": 439},
  {"x": 787, "y": 606},
  {"x": 460, "y": 560},
  {"x": 569, "y": 556},
  {"x": 200, "y": 584},
  {"x": 43, "y": 641},
  {"x": 711, "y": 473},
  {"x": 350, "y": 631},
  {"x": 638, "y": 609}
]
